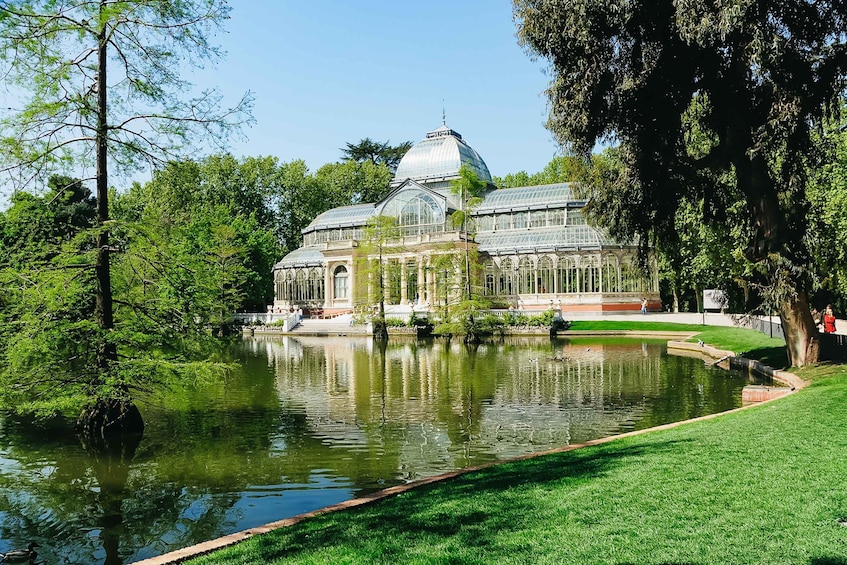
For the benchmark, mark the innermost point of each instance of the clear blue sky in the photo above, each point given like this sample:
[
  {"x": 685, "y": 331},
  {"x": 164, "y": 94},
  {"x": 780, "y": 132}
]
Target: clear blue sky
[{"x": 324, "y": 73}]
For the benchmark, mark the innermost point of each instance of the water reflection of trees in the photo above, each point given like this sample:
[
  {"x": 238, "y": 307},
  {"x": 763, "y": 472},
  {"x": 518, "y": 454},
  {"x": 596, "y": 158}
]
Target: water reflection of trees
[
  {"x": 424, "y": 406},
  {"x": 112, "y": 504},
  {"x": 309, "y": 422}
]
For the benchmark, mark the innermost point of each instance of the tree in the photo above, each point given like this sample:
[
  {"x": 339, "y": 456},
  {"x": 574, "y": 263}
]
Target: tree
[
  {"x": 378, "y": 153},
  {"x": 747, "y": 82},
  {"x": 102, "y": 79},
  {"x": 567, "y": 168},
  {"x": 468, "y": 189},
  {"x": 351, "y": 182},
  {"x": 828, "y": 220},
  {"x": 379, "y": 235}
]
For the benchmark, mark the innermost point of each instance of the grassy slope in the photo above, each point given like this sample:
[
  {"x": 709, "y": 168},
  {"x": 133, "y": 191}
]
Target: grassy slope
[
  {"x": 765, "y": 485},
  {"x": 755, "y": 345}
]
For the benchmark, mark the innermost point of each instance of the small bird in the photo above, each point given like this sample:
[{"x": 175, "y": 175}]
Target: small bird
[
  {"x": 20, "y": 555},
  {"x": 700, "y": 342}
]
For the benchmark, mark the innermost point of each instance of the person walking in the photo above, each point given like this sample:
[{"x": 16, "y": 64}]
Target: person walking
[
  {"x": 643, "y": 305},
  {"x": 828, "y": 320}
]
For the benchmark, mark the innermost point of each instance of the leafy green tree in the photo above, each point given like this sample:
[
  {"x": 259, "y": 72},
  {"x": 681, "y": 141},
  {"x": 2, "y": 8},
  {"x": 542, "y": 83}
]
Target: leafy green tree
[
  {"x": 755, "y": 79},
  {"x": 566, "y": 168},
  {"x": 468, "y": 189},
  {"x": 828, "y": 219},
  {"x": 380, "y": 235},
  {"x": 350, "y": 182},
  {"x": 102, "y": 80},
  {"x": 378, "y": 153}
]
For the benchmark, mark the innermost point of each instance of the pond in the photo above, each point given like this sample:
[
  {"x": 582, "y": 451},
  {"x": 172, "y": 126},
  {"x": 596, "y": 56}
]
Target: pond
[{"x": 307, "y": 422}]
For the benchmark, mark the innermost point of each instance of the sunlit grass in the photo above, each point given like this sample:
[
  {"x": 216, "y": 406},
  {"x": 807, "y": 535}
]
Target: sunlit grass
[{"x": 751, "y": 343}]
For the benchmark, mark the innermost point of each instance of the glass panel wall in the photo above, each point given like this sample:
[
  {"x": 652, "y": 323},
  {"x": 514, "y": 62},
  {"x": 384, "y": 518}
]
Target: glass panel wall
[
  {"x": 526, "y": 276},
  {"x": 610, "y": 274},
  {"x": 545, "y": 275}
]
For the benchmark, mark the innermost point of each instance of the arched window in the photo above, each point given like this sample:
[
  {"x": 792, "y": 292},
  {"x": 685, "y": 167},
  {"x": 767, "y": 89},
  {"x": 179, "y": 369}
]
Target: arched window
[
  {"x": 557, "y": 218},
  {"x": 589, "y": 280},
  {"x": 316, "y": 280},
  {"x": 289, "y": 285},
  {"x": 630, "y": 276},
  {"x": 485, "y": 223},
  {"x": 504, "y": 221},
  {"x": 610, "y": 274},
  {"x": 300, "y": 286},
  {"x": 279, "y": 277},
  {"x": 490, "y": 279},
  {"x": 545, "y": 275},
  {"x": 567, "y": 275},
  {"x": 340, "y": 287},
  {"x": 538, "y": 219},
  {"x": 507, "y": 278},
  {"x": 420, "y": 210},
  {"x": 519, "y": 219},
  {"x": 526, "y": 276},
  {"x": 411, "y": 281}
]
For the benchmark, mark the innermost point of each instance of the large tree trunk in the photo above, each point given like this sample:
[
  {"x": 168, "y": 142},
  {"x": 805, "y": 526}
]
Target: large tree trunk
[
  {"x": 104, "y": 309},
  {"x": 380, "y": 329},
  {"x": 107, "y": 421},
  {"x": 801, "y": 334}
]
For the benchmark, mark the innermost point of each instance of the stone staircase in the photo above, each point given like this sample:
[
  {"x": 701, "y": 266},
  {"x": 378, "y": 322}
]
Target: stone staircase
[{"x": 338, "y": 326}]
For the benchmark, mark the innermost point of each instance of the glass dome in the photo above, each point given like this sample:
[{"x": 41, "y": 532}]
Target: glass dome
[{"x": 438, "y": 157}]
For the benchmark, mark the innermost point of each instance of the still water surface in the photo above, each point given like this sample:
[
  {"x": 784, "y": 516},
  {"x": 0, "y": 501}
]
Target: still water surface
[{"x": 308, "y": 422}]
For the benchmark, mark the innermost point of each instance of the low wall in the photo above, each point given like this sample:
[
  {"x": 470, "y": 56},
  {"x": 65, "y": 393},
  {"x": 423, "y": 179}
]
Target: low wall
[{"x": 728, "y": 359}]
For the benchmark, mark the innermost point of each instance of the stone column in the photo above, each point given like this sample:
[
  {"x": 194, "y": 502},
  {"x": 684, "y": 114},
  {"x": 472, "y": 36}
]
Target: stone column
[
  {"x": 404, "y": 298},
  {"x": 430, "y": 282},
  {"x": 328, "y": 288},
  {"x": 421, "y": 281},
  {"x": 351, "y": 283}
]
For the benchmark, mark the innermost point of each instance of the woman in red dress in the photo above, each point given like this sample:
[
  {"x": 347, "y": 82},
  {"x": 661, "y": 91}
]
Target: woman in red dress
[{"x": 828, "y": 320}]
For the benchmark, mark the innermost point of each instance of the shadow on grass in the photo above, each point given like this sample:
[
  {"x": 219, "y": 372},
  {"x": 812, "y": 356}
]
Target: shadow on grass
[
  {"x": 771, "y": 356},
  {"x": 472, "y": 512},
  {"x": 828, "y": 561}
]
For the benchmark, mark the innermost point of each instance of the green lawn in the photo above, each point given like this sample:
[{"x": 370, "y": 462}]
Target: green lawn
[
  {"x": 766, "y": 485},
  {"x": 752, "y": 344}
]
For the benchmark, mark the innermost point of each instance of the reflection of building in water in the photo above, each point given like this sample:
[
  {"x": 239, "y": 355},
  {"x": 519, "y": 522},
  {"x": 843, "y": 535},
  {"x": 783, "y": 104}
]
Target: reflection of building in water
[{"x": 431, "y": 404}]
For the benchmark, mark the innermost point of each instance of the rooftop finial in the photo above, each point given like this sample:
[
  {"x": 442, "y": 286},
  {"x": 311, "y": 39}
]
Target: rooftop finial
[{"x": 443, "y": 114}]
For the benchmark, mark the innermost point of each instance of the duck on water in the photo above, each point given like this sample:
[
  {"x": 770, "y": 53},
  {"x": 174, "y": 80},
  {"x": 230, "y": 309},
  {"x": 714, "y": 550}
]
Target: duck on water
[{"x": 20, "y": 555}]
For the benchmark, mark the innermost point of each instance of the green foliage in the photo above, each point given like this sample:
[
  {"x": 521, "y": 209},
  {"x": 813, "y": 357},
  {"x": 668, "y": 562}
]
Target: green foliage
[
  {"x": 703, "y": 110},
  {"x": 396, "y": 323},
  {"x": 827, "y": 234},
  {"x": 75, "y": 112},
  {"x": 567, "y": 168},
  {"x": 375, "y": 152},
  {"x": 50, "y": 50},
  {"x": 465, "y": 319}
]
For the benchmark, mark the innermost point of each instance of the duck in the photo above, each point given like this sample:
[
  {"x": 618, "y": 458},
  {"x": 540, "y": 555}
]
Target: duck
[{"x": 20, "y": 555}]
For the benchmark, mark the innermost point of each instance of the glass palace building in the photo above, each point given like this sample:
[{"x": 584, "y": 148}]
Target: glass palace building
[{"x": 532, "y": 246}]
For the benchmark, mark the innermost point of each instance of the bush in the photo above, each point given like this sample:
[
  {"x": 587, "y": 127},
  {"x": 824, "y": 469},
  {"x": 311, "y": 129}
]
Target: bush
[{"x": 395, "y": 323}]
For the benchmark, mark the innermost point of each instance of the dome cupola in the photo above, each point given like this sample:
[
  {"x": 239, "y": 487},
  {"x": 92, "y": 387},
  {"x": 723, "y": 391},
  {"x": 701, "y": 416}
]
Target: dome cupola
[{"x": 438, "y": 157}]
